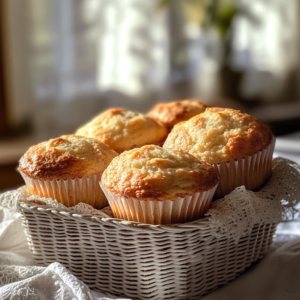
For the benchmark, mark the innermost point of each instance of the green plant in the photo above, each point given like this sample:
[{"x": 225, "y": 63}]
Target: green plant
[{"x": 209, "y": 14}]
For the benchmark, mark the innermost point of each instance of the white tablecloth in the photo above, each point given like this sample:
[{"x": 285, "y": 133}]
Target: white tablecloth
[{"x": 275, "y": 277}]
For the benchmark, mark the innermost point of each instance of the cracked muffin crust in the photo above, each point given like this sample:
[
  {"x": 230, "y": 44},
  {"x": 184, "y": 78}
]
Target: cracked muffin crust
[
  {"x": 153, "y": 173},
  {"x": 169, "y": 114},
  {"x": 122, "y": 129},
  {"x": 68, "y": 156},
  {"x": 220, "y": 135}
]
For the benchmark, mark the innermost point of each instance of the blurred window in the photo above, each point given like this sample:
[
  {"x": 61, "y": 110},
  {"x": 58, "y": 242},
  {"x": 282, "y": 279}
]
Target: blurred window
[{"x": 86, "y": 47}]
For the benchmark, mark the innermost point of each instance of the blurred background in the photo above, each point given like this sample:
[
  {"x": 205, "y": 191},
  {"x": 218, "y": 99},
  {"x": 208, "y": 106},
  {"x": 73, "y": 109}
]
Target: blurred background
[{"x": 63, "y": 62}]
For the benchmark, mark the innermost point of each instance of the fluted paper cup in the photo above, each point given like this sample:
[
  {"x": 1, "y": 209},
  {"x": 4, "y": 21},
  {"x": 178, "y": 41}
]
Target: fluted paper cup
[
  {"x": 252, "y": 171},
  {"x": 181, "y": 210},
  {"x": 69, "y": 192}
]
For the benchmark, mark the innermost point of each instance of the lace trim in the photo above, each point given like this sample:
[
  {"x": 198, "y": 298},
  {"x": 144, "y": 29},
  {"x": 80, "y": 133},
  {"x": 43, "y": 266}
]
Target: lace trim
[
  {"x": 235, "y": 215},
  {"x": 53, "y": 282},
  {"x": 12, "y": 199}
]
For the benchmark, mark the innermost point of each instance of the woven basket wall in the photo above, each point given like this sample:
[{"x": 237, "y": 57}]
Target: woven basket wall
[{"x": 141, "y": 261}]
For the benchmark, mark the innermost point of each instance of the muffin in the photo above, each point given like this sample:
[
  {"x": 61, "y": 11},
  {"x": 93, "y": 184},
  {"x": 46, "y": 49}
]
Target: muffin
[
  {"x": 239, "y": 146},
  {"x": 122, "y": 129},
  {"x": 67, "y": 169},
  {"x": 169, "y": 114},
  {"x": 158, "y": 186}
]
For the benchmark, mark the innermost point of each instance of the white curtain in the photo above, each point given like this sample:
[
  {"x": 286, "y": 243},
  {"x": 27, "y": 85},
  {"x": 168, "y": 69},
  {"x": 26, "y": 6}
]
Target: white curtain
[
  {"x": 266, "y": 46},
  {"x": 73, "y": 58},
  {"x": 85, "y": 55}
]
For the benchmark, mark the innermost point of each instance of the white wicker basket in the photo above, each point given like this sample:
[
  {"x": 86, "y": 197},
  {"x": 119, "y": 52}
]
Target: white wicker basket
[{"x": 140, "y": 261}]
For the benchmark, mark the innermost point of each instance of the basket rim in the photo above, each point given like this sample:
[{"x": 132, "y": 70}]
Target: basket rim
[
  {"x": 201, "y": 224},
  {"x": 27, "y": 205}
]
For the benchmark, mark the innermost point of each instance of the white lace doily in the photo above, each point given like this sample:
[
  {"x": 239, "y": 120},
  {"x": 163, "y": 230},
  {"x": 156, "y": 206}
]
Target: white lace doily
[
  {"x": 236, "y": 214},
  {"x": 53, "y": 282},
  {"x": 233, "y": 216},
  {"x": 11, "y": 200}
]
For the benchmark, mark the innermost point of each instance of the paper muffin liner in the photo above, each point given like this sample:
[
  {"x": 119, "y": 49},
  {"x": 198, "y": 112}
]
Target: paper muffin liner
[
  {"x": 69, "y": 192},
  {"x": 252, "y": 171},
  {"x": 181, "y": 210}
]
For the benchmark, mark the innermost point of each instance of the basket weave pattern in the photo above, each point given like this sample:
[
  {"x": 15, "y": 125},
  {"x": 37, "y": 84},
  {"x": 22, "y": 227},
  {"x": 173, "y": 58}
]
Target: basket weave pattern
[{"x": 140, "y": 261}]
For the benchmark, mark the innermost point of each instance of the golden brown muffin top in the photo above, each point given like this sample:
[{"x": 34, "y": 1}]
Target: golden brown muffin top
[
  {"x": 154, "y": 173},
  {"x": 220, "y": 135},
  {"x": 172, "y": 113},
  {"x": 123, "y": 129},
  {"x": 66, "y": 157}
]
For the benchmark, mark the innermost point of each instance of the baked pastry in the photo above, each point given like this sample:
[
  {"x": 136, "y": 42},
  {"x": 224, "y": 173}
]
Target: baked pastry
[
  {"x": 67, "y": 169},
  {"x": 172, "y": 113},
  {"x": 123, "y": 129},
  {"x": 238, "y": 145},
  {"x": 158, "y": 186}
]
